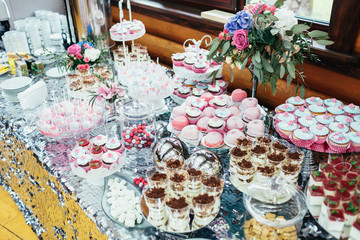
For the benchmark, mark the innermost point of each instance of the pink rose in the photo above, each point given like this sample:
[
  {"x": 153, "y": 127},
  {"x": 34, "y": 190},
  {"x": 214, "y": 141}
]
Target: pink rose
[
  {"x": 228, "y": 38},
  {"x": 240, "y": 39},
  {"x": 221, "y": 36},
  {"x": 79, "y": 56},
  {"x": 225, "y": 31},
  {"x": 86, "y": 45},
  {"x": 80, "y": 67},
  {"x": 86, "y": 66},
  {"x": 74, "y": 49},
  {"x": 86, "y": 59}
]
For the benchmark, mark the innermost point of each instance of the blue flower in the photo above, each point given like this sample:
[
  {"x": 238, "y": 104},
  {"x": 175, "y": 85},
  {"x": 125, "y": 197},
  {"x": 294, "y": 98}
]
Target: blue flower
[
  {"x": 242, "y": 20},
  {"x": 83, "y": 42}
]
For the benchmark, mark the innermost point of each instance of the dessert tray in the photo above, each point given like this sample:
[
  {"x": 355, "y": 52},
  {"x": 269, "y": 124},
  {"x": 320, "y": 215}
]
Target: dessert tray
[
  {"x": 215, "y": 122},
  {"x": 115, "y": 194},
  {"x": 333, "y": 197},
  {"x": 94, "y": 162},
  {"x": 319, "y": 125},
  {"x": 257, "y": 162},
  {"x": 68, "y": 118},
  {"x": 193, "y": 64}
]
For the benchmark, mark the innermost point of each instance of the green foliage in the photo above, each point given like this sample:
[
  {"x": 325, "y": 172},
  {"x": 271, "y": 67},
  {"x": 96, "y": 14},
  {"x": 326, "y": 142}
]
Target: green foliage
[{"x": 279, "y": 3}]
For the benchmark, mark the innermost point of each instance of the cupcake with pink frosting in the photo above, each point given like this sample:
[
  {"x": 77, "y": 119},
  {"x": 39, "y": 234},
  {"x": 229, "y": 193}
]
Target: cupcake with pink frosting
[
  {"x": 223, "y": 113},
  {"x": 344, "y": 119},
  {"x": 193, "y": 114},
  {"x": 213, "y": 140},
  {"x": 207, "y": 97},
  {"x": 179, "y": 122},
  {"x": 320, "y": 131},
  {"x": 332, "y": 102},
  {"x": 325, "y": 119},
  {"x": 336, "y": 110},
  {"x": 286, "y": 128},
  {"x": 352, "y": 109},
  {"x": 313, "y": 100},
  {"x": 338, "y": 141},
  {"x": 215, "y": 125},
  {"x": 222, "y": 84},
  {"x": 189, "y": 62},
  {"x": 284, "y": 117},
  {"x": 197, "y": 92},
  {"x": 109, "y": 158},
  {"x": 249, "y": 102},
  {"x": 200, "y": 67},
  {"x": 303, "y": 137},
  {"x": 178, "y": 59},
  {"x": 317, "y": 109},
  {"x": 178, "y": 111},
  {"x": 338, "y": 127},
  {"x": 307, "y": 121},
  {"x": 302, "y": 112},
  {"x": 286, "y": 107},
  {"x": 219, "y": 101},
  {"x": 199, "y": 103},
  {"x": 355, "y": 140}
]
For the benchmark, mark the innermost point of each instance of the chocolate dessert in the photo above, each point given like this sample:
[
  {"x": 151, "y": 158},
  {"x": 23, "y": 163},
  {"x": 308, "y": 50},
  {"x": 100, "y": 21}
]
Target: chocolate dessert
[
  {"x": 276, "y": 158},
  {"x": 245, "y": 164},
  {"x": 155, "y": 193},
  {"x": 212, "y": 182},
  {"x": 177, "y": 203},
  {"x": 158, "y": 176},
  {"x": 279, "y": 146},
  {"x": 237, "y": 152},
  {"x": 177, "y": 178},
  {"x": 243, "y": 142},
  {"x": 290, "y": 168},
  {"x": 194, "y": 172},
  {"x": 294, "y": 155},
  {"x": 204, "y": 199},
  {"x": 173, "y": 163},
  {"x": 259, "y": 150},
  {"x": 264, "y": 140},
  {"x": 266, "y": 170}
]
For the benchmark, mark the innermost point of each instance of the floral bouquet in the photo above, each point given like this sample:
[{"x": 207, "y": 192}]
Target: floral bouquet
[
  {"x": 80, "y": 56},
  {"x": 270, "y": 39},
  {"x": 108, "y": 91}
]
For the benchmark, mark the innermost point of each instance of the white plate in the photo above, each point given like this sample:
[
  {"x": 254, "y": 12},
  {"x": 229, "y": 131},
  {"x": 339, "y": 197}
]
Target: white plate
[
  {"x": 6, "y": 70},
  {"x": 55, "y": 73},
  {"x": 15, "y": 83}
]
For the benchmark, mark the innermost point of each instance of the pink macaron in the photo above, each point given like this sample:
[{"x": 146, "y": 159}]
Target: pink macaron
[
  {"x": 238, "y": 95},
  {"x": 235, "y": 123},
  {"x": 249, "y": 102},
  {"x": 213, "y": 140},
  {"x": 190, "y": 132},
  {"x": 251, "y": 113},
  {"x": 255, "y": 129},
  {"x": 179, "y": 122},
  {"x": 232, "y": 136},
  {"x": 207, "y": 97},
  {"x": 235, "y": 111},
  {"x": 178, "y": 111}
]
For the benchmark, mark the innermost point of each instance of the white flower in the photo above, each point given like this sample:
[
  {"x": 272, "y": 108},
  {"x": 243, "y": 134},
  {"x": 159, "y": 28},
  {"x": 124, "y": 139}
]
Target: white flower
[
  {"x": 92, "y": 54},
  {"x": 228, "y": 60},
  {"x": 286, "y": 21}
]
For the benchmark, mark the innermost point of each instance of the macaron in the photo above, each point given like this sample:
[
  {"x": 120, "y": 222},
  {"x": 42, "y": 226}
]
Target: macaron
[
  {"x": 179, "y": 122},
  {"x": 238, "y": 95},
  {"x": 213, "y": 140}
]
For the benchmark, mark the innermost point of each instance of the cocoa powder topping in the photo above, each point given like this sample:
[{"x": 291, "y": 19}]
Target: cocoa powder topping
[
  {"x": 175, "y": 163},
  {"x": 264, "y": 140},
  {"x": 155, "y": 193},
  {"x": 279, "y": 146},
  {"x": 194, "y": 172},
  {"x": 276, "y": 157},
  {"x": 177, "y": 203},
  {"x": 294, "y": 155},
  {"x": 177, "y": 178},
  {"x": 158, "y": 176},
  {"x": 245, "y": 164},
  {"x": 267, "y": 170},
  {"x": 259, "y": 150},
  {"x": 204, "y": 199},
  {"x": 243, "y": 142},
  {"x": 237, "y": 152},
  {"x": 212, "y": 182},
  {"x": 290, "y": 168}
]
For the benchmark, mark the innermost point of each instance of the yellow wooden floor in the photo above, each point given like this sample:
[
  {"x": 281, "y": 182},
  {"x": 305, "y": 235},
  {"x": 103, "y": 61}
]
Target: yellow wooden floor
[{"x": 12, "y": 222}]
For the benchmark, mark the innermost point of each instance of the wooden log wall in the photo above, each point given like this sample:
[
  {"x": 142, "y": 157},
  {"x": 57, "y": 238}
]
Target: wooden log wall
[{"x": 164, "y": 38}]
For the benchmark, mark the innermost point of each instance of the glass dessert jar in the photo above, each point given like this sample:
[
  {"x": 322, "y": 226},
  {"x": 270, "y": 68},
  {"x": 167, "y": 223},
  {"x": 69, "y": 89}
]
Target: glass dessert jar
[
  {"x": 138, "y": 129},
  {"x": 275, "y": 208}
]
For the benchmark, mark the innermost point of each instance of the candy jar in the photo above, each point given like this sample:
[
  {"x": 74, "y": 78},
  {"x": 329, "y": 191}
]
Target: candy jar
[
  {"x": 138, "y": 129},
  {"x": 275, "y": 210}
]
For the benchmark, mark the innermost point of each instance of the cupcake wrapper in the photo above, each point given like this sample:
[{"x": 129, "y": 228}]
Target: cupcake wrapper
[
  {"x": 178, "y": 63},
  {"x": 224, "y": 87},
  {"x": 354, "y": 148},
  {"x": 319, "y": 147},
  {"x": 302, "y": 143},
  {"x": 321, "y": 140},
  {"x": 188, "y": 67},
  {"x": 337, "y": 149},
  {"x": 201, "y": 70}
]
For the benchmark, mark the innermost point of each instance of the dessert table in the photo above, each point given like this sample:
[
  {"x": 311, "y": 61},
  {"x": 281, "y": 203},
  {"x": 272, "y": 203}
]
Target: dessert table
[{"x": 58, "y": 204}]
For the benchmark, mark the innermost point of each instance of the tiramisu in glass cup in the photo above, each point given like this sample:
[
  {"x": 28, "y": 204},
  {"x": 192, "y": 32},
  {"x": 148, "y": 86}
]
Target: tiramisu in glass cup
[
  {"x": 279, "y": 147},
  {"x": 156, "y": 178},
  {"x": 194, "y": 184},
  {"x": 264, "y": 173},
  {"x": 237, "y": 154},
  {"x": 258, "y": 156},
  {"x": 244, "y": 171},
  {"x": 276, "y": 159},
  {"x": 295, "y": 156},
  {"x": 178, "y": 182},
  {"x": 289, "y": 172},
  {"x": 244, "y": 144},
  {"x": 203, "y": 207},
  {"x": 173, "y": 165},
  {"x": 213, "y": 186},
  {"x": 155, "y": 201},
  {"x": 178, "y": 211},
  {"x": 264, "y": 142}
]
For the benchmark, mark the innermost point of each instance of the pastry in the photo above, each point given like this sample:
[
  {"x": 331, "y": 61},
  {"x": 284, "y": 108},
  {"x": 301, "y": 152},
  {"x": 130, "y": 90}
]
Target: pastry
[
  {"x": 302, "y": 112},
  {"x": 258, "y": 156},
  {"x": 197, "y": 92},
  {"x": 251, "y": 113},
  {"x": 307, "y": 121},
  {"x": 235, "y": 111},
  {"x": 285, "y": 117},
  {"x": 232, "y": 135},
  {"x": 190, "y": 133},
  {"x": 202, "y": 124},
  {"x": 287, "y": 127},
  {"x": 222, "y": 113},
  {"x": 296, "y": 101},
  {"x": 325, "y": 119},
  {"x": 214, "y": 89},
  {"x": 199, "y": 103},
  {"x": 355, "y": 127},
  {"x": 208, "y": 111},
  {"x": 238, "y": 95},
  {"x": 216, "y": 124},
  {"x": 286, "y": 107},
  {"x": 317, "y": 109},
  {"x": 344, "y": 119},
  {"x": 193, "y": 114},
  {"x": 255, "y": 129},
  {"x": 332, "y": 102},
  {"x": 314, "y": 100},
  {"x": 336, "y": 110},
  {"x": 338, "y": 127},
  {"x": 235, "y": 123},
  {"x": 109, "y": 158},
  {"x": 178, "y": 123},
  {"x": 213, "y": 140}
]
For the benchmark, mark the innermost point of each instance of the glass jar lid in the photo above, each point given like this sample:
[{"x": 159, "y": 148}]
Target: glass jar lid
[
  {"x": 276, "y": 197},
  {"x": 136, "y": 109}
]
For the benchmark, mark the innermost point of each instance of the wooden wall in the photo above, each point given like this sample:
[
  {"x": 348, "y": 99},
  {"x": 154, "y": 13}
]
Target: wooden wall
[{"x": 164, "y": 38}]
